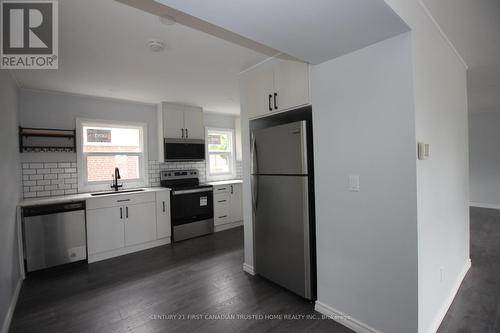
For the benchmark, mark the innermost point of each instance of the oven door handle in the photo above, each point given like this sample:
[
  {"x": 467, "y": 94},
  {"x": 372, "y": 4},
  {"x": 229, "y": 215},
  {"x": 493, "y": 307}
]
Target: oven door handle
[{"x": 197, "y": 190}]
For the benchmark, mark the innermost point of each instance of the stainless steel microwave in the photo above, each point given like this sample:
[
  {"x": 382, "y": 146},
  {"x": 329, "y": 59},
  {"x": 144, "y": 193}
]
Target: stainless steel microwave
[{"x": 184, "y": 150}]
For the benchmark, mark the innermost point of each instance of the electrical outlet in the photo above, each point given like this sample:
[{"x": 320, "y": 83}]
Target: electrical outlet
[
  {"x": 354, "y": 183},
  {"x": 441, "y": 274}
]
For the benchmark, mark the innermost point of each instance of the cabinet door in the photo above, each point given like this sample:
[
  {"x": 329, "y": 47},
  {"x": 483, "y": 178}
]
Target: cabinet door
[
  {"x": 258, "y": 85},
  {"x": 105, "y": 230},
  {"x": 163, "y": 214},
  {"x": 193, "y": 123},
  {"x": 140, "y": 223},
  {"x": 173, "y": 121},
  {"x": 236, "y": 203},
  {"x": 291, "y": 83}
]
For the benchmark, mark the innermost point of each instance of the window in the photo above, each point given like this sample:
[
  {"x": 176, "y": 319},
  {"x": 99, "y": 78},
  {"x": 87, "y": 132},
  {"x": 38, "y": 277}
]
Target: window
[
  {"x": 220, "y": 153},
  {"x": 104, "y": 146}
]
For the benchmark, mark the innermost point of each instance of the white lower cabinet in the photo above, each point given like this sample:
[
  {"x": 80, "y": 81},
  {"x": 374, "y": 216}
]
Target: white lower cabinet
[
  {"x": 236, "y": 202},
  {"x": 105, "y": 230},
  {"x": 163, "y": 214},
  {"x": 227, "y": 205},
  {"x": 122, "y": 224},
  {"x": 140, "y": 223}
]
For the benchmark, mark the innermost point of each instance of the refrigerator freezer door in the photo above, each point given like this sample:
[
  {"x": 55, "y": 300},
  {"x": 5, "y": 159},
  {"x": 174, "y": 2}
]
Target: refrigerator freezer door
[
  {"x": 281, "y": 225},
  {"x": 280, "y": 150}
]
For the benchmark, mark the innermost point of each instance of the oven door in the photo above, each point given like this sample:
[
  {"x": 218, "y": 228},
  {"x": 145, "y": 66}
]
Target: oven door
[{"x": 191, "y": 205}]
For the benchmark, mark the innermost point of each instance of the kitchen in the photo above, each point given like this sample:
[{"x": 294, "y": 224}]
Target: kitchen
[{"x": 180, "y": 162}]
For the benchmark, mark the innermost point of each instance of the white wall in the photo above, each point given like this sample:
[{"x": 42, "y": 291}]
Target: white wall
[
  {"x": 9, "y": 195},
  {"x": 57, "y": 110},
  {"x": 363, "y": 118},
  {"x": 484, "y": 163},
  {"x": 443, "y": 180}
]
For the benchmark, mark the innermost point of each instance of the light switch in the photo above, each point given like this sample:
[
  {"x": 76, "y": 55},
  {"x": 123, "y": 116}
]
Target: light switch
[{"x": 354, "y": 183}]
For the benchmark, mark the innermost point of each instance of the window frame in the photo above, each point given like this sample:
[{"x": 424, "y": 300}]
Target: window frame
[
  {"x": 86, "y": 186},
  {"x": 232, "y": 153}
]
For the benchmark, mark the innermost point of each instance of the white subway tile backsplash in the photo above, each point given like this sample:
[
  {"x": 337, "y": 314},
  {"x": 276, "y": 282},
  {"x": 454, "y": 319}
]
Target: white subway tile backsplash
[
  {"x": 50, "y": 165},
  {"x": 43, "y": 182},
  {"x": 49, "y": 179}
]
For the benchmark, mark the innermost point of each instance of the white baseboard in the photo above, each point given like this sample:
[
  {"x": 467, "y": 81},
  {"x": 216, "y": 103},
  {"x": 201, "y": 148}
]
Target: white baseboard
[
  {"x": 127, "y": 250},
  {"x": 447, "y": 302},
  {"x": 10, "y": 312},
  {"x": 227, "y": 226},
  {"x": 249, "y": 269},
  {"x": 344, "y": 319},
  {"x": 484, "y": 205}
]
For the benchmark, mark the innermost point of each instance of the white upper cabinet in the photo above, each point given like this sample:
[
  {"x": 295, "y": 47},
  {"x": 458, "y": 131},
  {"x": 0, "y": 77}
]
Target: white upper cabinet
[
  {"x": 259, "y": 88},
  {"x": 173, "y": 123},
  {"x": 181, "y": 121},
  {"x": 291, "y": 84},
  {"x": 193, "y": 124},
  {"x": 275, "y": 85}
]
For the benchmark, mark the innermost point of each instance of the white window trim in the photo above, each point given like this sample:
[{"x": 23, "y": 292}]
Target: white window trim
[
  {"x": 83, "y": 185},
  {"x": 223, "y": 176}
]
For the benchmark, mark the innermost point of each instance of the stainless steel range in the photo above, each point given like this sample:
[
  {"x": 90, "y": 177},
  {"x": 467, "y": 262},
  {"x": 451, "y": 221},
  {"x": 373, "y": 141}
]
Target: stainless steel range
[{"x": 191, "y": 204}]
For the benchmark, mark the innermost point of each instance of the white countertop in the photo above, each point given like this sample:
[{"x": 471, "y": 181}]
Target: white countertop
[
  {"x": 226, "y": 182},
  {"x": 82, "y": 197}
]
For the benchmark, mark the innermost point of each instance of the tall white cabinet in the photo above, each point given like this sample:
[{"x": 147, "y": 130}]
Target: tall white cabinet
[{"x": 276, "y": 85}]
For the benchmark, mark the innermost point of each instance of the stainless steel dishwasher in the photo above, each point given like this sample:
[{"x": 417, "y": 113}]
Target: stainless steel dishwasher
[{"x": 54, "y": 235}]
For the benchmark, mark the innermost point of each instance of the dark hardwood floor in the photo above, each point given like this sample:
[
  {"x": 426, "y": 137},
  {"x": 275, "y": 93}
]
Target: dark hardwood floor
[
  {"x": 136, "y": 293},
  {"x": 476, "y": 308}
]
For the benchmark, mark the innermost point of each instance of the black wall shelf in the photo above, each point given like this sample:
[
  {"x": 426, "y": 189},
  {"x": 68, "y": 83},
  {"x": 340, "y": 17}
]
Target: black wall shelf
[{"x": 46, "y": 140}]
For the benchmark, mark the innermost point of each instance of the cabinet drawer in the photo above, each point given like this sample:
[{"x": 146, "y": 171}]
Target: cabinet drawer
[
  {"x": 221, "y": 218},
  {"x": 221, "y": 189},
  {"x": 120, "y": 200},
  {"x": 221, "y": 200}
]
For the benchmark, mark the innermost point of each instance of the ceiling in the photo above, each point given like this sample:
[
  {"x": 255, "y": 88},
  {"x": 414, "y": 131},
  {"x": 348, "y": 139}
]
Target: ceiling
[
  {"x": 103, "y": 52},
  {"x": 473, "y": 27},
  {"x": 313, "y": 31}
]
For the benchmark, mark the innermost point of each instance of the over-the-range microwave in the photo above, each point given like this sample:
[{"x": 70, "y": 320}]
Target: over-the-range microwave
[{"x": 184, "y": 149}]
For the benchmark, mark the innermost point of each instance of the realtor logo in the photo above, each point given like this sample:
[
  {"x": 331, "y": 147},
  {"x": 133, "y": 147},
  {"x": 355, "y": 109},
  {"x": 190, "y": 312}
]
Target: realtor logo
[{"x": 29, "y": 34}]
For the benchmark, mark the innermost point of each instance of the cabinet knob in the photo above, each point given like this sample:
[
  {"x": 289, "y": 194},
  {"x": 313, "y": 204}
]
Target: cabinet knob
[
  {"x": 270, "y": 98},
  {"x": 276, "y": 101}
]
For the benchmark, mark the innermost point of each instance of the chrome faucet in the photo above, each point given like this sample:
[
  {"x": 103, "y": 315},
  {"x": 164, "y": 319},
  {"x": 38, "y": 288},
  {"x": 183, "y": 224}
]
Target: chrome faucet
[{"x": 116, "y": 176}]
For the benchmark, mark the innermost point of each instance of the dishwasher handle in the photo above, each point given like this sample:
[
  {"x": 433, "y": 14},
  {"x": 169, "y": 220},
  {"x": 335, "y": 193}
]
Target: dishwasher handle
[{"x": 53, "y": 208}]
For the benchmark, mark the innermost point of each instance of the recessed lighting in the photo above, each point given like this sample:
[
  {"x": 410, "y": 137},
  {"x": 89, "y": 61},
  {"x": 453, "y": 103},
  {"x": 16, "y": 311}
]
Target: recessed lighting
[
  {"x": 156, "y": 45},
  {"x": 167, "y": 20}
]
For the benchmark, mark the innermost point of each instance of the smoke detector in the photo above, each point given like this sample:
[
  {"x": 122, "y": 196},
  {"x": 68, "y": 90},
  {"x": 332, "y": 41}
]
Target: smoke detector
[{"x": 156, "y": 45}]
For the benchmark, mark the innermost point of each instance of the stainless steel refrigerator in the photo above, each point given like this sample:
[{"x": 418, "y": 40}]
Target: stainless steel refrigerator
[{"x": 280, "y": 189}]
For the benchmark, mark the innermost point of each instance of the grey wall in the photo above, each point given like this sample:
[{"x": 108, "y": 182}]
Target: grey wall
[
  {"x": 363, "y": 118},
  {"x": 10, "y": 193},
  {"x": 54, "y": 110},
  {"x": 218, "y": 120},
  {"x": 484, "y": 162}
]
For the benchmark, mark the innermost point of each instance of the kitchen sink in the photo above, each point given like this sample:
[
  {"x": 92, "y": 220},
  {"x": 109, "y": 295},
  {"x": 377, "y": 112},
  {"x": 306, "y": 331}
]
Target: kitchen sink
[{"x": 116, "y": 192}]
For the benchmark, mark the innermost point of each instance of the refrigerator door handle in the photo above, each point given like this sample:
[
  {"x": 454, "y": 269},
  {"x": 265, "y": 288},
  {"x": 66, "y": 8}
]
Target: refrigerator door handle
[{"x": 254, "y": 171}]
